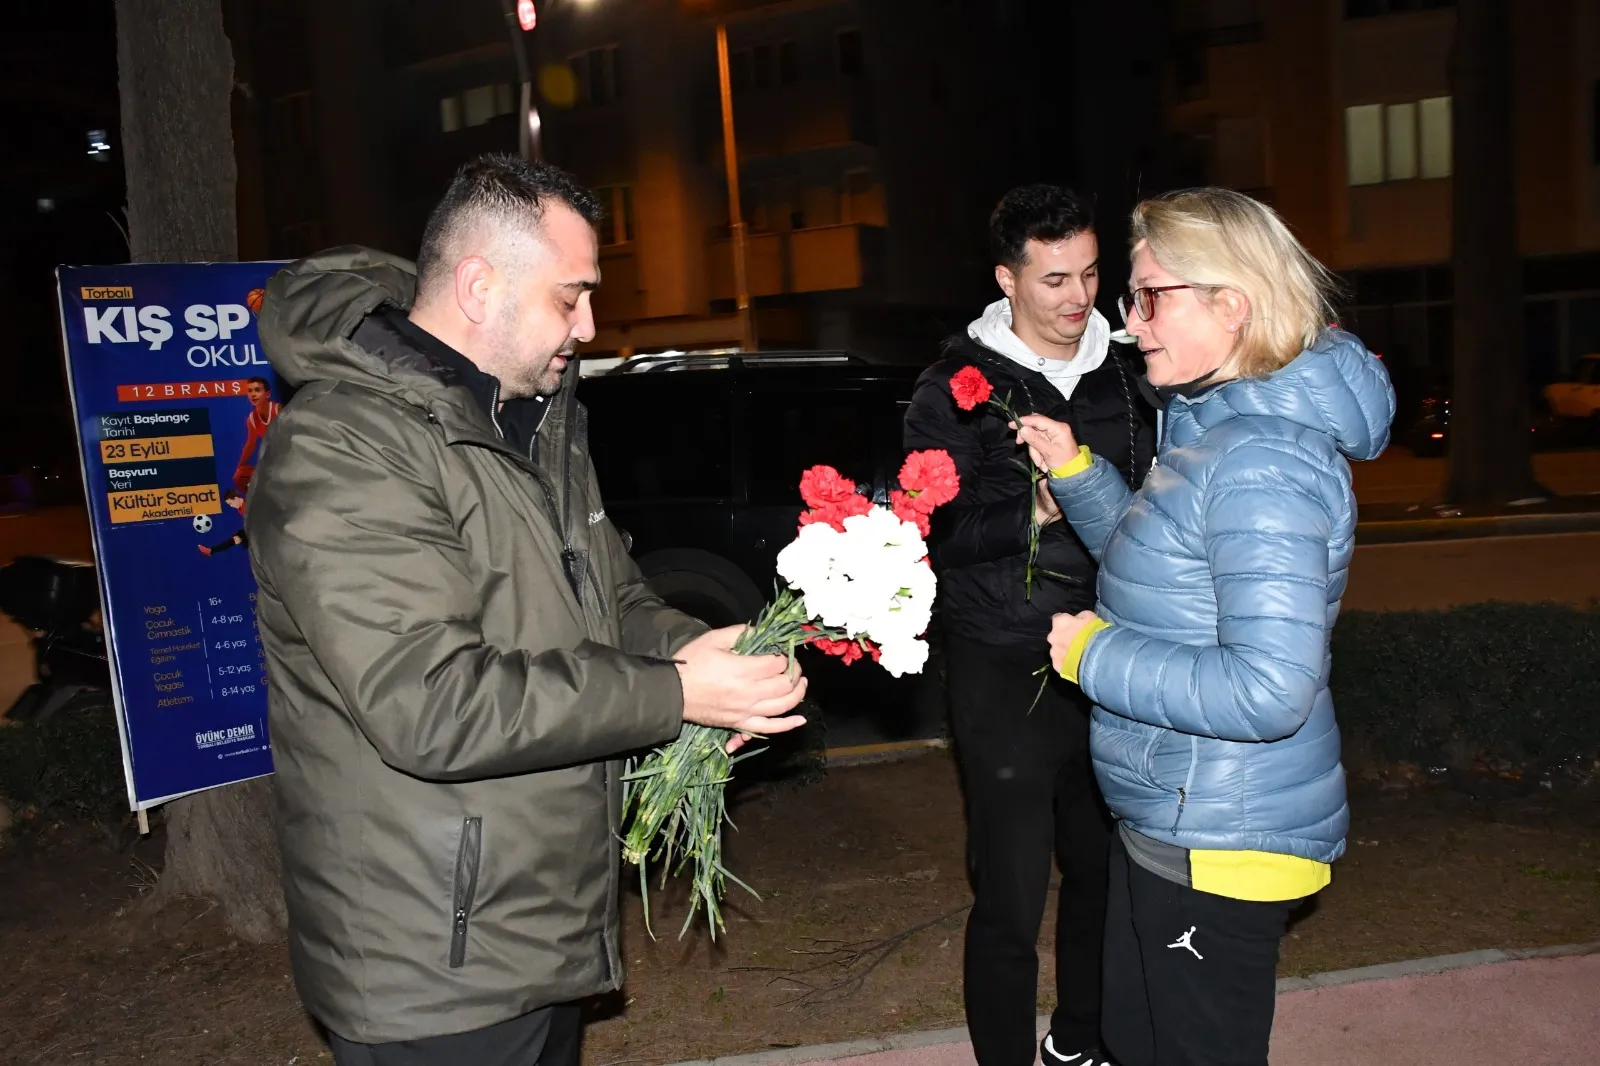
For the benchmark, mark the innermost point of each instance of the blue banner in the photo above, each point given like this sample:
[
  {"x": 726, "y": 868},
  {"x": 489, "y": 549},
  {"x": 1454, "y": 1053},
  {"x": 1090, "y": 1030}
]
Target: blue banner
[{"x": 172, "y": 398}]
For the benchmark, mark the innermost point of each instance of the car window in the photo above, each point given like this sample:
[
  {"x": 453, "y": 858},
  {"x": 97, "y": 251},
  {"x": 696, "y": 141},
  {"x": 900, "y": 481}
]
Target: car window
[
  {"x": 793, "y": 430},
  {"x": 661, "y": 440}
]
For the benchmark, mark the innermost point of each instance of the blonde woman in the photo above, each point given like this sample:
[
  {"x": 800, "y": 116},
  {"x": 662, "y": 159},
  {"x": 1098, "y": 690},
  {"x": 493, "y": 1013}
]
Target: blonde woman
[{"x": 1213, "y": 733}]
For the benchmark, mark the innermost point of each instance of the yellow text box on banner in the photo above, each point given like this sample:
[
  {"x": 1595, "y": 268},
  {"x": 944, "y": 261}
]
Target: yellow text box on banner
[{"x": 149, "y": 449}]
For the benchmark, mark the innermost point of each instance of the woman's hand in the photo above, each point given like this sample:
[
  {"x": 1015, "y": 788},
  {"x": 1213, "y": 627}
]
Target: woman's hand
[
  {"x": 1062, "y": 629},
  {"x": 1050, "y": 443}
]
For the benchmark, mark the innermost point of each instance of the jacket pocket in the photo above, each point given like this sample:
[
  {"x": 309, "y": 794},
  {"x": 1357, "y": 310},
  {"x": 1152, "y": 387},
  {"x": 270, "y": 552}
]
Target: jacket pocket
[{"x": 468, "y": 855}]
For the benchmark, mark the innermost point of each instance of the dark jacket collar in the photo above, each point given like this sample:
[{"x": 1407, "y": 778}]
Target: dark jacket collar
[{"x": 517, "y": 420}]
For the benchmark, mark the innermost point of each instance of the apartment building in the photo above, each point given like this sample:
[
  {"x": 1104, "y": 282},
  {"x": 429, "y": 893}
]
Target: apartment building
[
  {"x": 1339, "y": 113},
  {"x": 873, "y": 137}
]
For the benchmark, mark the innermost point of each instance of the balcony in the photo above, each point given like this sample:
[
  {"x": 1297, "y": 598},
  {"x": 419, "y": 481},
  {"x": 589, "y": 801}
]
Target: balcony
[{"x": 821, "y": 259}]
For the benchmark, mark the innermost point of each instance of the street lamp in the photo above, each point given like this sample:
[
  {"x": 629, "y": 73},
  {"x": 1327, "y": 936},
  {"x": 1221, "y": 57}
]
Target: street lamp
[{"x": 730, "y": 152}]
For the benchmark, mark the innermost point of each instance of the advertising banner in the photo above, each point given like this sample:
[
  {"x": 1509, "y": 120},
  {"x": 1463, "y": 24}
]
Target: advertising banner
[{"x": 172, "y": 397}]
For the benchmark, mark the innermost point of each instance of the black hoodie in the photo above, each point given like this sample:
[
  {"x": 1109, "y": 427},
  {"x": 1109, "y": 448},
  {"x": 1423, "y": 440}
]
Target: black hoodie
[{"x": 979, "y": 543}]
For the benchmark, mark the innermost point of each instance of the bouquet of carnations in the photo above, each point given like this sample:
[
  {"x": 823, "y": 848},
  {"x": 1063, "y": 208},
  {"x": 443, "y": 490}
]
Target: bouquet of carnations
[{"x": 856, "y": 583}]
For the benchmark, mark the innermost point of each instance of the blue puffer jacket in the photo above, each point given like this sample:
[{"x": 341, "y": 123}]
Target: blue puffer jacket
[{"x": 1221, "y": 578}]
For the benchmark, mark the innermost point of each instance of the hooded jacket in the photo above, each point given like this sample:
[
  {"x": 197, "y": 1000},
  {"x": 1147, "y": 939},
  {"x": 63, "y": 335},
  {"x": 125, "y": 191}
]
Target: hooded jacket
[
  {"x": 1221, "y": 580},
  {"x": 458, "y": 648},
  {"x": 979, "y": 541}
]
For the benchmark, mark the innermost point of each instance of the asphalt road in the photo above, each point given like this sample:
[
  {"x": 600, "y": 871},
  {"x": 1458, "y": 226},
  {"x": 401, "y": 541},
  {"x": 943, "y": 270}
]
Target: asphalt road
[{"x": 1397, "y": 477}]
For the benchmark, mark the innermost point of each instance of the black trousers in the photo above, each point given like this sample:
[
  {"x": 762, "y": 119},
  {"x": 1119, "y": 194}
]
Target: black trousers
[
  {"x": 546, "y": 1037},
  {"x": 1191, "y": 978},
  {"x": 1030, "y": 794}
]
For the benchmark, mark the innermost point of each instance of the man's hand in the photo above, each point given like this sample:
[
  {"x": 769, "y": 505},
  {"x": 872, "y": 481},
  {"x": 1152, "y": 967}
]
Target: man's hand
[
  {"x": 748, "y": 693},
  {"x": 1062, "y": 629},
  {"x": 1045, "y": 507},
  {"x": 1050, "y": 443}
]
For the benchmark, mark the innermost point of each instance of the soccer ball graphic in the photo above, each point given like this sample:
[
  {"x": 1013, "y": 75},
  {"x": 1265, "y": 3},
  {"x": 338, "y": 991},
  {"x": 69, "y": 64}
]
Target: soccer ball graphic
[{"x": 202, "y": 523}]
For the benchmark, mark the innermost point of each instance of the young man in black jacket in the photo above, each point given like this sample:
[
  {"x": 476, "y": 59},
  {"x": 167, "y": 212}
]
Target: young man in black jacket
[{"x": 1029, "y": 785}]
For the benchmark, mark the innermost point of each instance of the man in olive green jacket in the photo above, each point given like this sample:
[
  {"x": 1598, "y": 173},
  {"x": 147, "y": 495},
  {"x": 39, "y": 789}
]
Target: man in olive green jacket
[{"x": 458, "y": 644}]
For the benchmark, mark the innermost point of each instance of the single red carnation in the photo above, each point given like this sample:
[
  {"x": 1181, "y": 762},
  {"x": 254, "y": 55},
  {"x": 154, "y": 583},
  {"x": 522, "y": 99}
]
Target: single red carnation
[
  {"x": 970, "y": 388},
  {"x": 907, "y": 510},
  {"x": 823, "y": 485},
  {"x": 930, "y": 478},
  {"x": 872, "y": 650}
]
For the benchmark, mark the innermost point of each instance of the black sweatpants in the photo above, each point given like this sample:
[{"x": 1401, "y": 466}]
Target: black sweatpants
[
  {"x": 549, "y": 1036},
  {"x": 1030, "y": 794},
  {"x": 1191, "y": 978}
]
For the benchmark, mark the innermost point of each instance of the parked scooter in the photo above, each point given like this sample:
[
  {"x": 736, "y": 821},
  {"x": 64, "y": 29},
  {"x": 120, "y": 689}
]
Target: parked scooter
[{"x": 58, "y": 602}]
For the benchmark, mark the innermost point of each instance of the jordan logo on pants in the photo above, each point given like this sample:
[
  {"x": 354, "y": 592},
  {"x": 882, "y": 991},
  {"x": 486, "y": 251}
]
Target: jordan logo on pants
[{"x": 1186, "y": 943}]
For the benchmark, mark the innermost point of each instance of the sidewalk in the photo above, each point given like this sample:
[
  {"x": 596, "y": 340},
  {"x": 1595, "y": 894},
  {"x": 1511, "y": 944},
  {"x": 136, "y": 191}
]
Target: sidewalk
[{"x": 1487, "y": 1007}]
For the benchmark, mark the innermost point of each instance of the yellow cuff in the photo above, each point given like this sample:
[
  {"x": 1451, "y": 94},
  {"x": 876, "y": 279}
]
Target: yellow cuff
[
  {"x": 1074, "y": 466},
  {"x": 1080, "y": 644}
]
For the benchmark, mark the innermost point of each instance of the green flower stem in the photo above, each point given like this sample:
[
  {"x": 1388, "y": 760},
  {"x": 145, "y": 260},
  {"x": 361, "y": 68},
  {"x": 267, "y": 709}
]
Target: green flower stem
[
  {"x": 1034, "y": 477},
  {"x": 673, "y": 799}
]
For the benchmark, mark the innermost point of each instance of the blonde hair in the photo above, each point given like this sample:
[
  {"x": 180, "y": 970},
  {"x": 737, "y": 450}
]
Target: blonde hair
[{"x": 1214, "y": 239}]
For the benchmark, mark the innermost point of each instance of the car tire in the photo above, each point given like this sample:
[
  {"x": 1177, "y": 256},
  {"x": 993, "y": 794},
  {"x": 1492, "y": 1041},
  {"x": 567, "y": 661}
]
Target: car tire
[{"x": 703, "y": 585}]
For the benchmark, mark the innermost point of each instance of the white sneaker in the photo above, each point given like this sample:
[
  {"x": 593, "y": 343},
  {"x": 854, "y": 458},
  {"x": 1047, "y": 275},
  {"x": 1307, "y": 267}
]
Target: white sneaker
[{"x": 1049, "y": 1056}]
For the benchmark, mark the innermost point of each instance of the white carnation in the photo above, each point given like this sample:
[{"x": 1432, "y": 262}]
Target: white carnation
[{"x": 904, "y": 657}]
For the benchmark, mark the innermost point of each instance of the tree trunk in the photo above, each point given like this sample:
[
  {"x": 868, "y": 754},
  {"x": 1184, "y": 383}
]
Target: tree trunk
[
  {"x": 1490, "y": 453},
  {"x": 175, "y": 68}
]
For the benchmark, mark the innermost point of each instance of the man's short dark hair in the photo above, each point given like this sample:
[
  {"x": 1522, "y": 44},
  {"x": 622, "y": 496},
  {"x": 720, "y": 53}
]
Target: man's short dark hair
[
  {"x": 501, "y": 188},
  {"x": 1046, "y": 213},
  {"x": 263, "y": 382}
]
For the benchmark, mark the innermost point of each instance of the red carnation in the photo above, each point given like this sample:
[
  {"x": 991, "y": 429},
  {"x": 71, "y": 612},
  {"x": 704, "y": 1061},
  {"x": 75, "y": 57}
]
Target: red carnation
[
  {"x": 970, "y": 388},
  {"x": 847, "y": 651},
  {"x": 930, "y": 478},
  {"x": 907, "y": 510},
  {"x": 823, "y": 485},
  {"x": 834, "y": 514}
]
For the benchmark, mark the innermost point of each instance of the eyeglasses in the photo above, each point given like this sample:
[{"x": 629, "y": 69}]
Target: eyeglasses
[{"x": 1143, "y": 301}]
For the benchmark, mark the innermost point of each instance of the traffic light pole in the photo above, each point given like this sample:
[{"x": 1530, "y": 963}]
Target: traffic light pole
[{"x": 530, "y": 140}]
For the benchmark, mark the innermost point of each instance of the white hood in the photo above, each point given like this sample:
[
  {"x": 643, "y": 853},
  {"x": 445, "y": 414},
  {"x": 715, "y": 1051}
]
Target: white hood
[{"x": 993, "y": 331}]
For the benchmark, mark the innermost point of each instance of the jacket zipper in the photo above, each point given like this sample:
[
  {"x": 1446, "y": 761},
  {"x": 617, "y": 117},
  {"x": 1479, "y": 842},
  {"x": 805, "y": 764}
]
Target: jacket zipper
[
  {"x": 1188, "y": 783},
  {"x": 468, "y": 856}
]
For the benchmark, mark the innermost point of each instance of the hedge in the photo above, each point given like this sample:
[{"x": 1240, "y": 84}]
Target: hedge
[
  {"x": 1513, "y": 683},
  {"x": 1516, "y": 684}
]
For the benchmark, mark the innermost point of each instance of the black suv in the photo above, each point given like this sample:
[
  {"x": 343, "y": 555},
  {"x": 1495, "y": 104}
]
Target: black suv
[{"x": 699, "y": 459}]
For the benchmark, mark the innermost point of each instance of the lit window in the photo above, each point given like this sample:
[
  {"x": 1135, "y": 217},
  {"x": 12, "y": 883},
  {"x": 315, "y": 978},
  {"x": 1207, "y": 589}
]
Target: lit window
[
  {"x": 1400, "y": 147},
  {"x": 1434, "y": 124},
  {"x": 1363, "y": 139},
  {"x": 450, "y": 114},
  {"x": 477, "y": 105},
  {"x": 1398, "y": 142}
]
